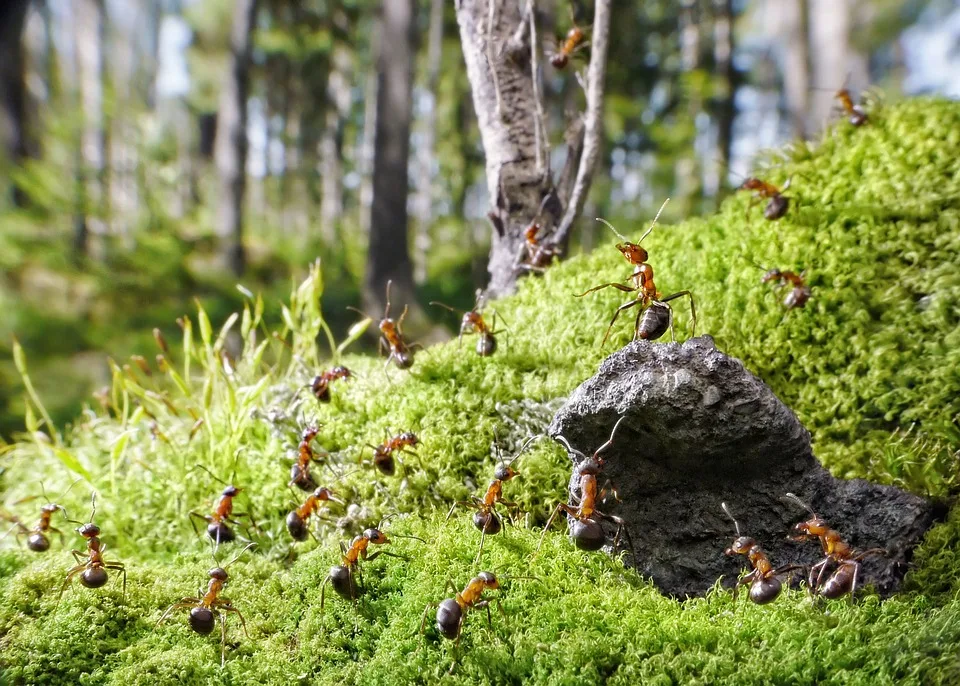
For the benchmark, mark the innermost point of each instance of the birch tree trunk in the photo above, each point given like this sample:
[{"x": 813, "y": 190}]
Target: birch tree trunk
[
  {"x": 795, "y": 31},
  {"x": 389, "y": 256},
  {"x": 723, "y": 46},
  {"x": 230, "y": 148}
]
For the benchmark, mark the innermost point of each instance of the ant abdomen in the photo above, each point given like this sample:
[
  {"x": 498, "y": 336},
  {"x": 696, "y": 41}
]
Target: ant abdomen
[
  {"x": 486, "y": 345},
  {"x": 95, "y": 577},
  {"x": 403, "y": 359},
  {"x": 38, "y": 543},
  {"x": 301, "y": 478},
  {"x": 385, "y": 464},
  {"x": 202, "y": 620},
  {"x": 797, "y": 297},
  {"x": 587, "y": 534},
  {"x": 654, "y": 322},
  {"x": 765, "y": 591},
  {"x": 449, "y": 617},
  {"x": 220, "y": 532},
  {"x": 839, "y": 584},
  {"x": 487, "y": 522},
  {"x": 777, "y": 207},
  {"x": 342, "y": 581},
  {"x": 297, "y": 527}
]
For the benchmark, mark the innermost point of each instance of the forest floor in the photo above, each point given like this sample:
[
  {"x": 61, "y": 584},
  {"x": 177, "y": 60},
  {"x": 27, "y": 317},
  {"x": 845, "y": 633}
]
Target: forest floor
[{"x": 871, "y": 366}]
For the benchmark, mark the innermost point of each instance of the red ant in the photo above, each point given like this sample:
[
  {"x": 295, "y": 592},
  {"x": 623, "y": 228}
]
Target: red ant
[
  {"x": 300, "y": 470},
  {"x": 777, "y": 206},
  {"x": 204, "y": 605},
  {"x": 341, "y": 576},
  {"x": 655, "y": 316},
  {"x": 473, "y": 322},
  {"x": 586, "y": 529},
  {"x": 765, "y": 587},
  {"x": 383, "y": 454},
  {"x": 855, "y": 113},
  {"x": 800, "y": 292},
  {"x": 533, "y": 254},
  {"x": 320, "y": 386},
  {"x": 392, "y": 337},
  {"x": 844, "y": 578},
  {"x": 91, "y": 566},
  {"x": 574, "y": 40},
  {"x": 219, "y": 520},
  {"x": 486, "y": 518},
  {"x": 37, "y": 540},
  {"x": 298, "y": 518}
]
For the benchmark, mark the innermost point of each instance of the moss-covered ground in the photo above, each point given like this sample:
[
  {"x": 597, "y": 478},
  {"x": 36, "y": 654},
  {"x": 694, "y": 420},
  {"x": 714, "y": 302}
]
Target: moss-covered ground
[{"x": 871, "y": 366}]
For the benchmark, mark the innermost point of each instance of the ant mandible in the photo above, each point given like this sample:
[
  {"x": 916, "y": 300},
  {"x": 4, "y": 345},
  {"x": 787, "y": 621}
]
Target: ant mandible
[
  {"x": 320, "y": 386},
  {"x": 300, "y": 470},
  {"x": 93, "y": 569},
  {"x": 655, "y": 316},
  {"x": 486, "y": 518},
  {"x": 473, "y": 322},
  {"x": 778, "y": 204},
  {"x": 765, "y": 587},
  {"x": 586, "y": 529},
  {"x": 844, "y": 578},
  {"x": 203, "y": 607},
  {"x": 384, "y": 458},
  {"x": 297, "y": 520},
  {"x": 341, "y": 576},
  {"x": 219, "y": 520}
]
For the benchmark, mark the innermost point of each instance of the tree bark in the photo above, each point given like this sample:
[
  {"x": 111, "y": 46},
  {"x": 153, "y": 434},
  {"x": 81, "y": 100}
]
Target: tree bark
[
  {"x": 13, "y": 90},
  {"x": 795, "y": 30},
  {"x": 723, "y": 46},
  {"x": 230, "y": 147},
  {"x": 389, "y": 256}
]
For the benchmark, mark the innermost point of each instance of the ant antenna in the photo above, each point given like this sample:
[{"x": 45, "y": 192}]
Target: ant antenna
[
  {"x": 236, "y": 557},
  {"x": 609, "y": 440},
  {"x": 444, "y": 306},
  {"x": 794, "y": 498},
  {"x": 386, "y": 311},
  {"x": 526, "y": 444},
  {"x": 215, "y": 477},
  {"x": 654, "y": 221},
  {"x": 93, "y": 504},
  {"x": 610, "y": 226},
  {"x": 570, "y": 448},
  {"x": 753, "y": 262},
  {"x": 727, "y": 510}
]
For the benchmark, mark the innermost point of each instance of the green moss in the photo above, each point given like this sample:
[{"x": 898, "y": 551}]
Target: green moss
[{"x": 876, "y": 224}]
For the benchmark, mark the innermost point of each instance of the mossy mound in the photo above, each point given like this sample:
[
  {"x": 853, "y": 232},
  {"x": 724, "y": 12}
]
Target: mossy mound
[{"x": 876, "y": 224}]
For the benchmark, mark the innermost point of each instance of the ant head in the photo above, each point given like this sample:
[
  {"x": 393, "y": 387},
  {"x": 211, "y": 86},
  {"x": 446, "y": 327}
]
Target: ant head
[
  {"x": 231, "y": 491},
  {"x": 324, "y": 493},
  {"x": 342, "y": 372},
  {"x": 741, "y": 546},
  {"x": 51, "y": 507},
  {"x": 531, "y": 232},
  {"x": 811, "y": 526},
  {"x": 387, "y": 326},
  {"x": 489, "y": 579},
  {"x": 772, "y": 275},
  {"x": 89, "y": 530},
  {"x": 633, "y": 253},
  {"x": 409, "y": 437},
  {"x": 750, "y": 184},
  {"x": 310, "y": 432},
  {"x": 218, "y": 573},
  {"x": 504, "y": 473},
  {"x": 375, "y": 536}
]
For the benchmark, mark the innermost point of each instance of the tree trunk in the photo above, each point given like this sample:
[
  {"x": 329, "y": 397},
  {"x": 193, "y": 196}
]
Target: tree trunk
[
  {"x": 723, "y": 46},
  {"x": 389, "y": 257},
  {"x": 231, "y": 141},
  {"x": 90, "y": 38},
  {"x": 424, "y": 198},
  {"x": 795, "y": 30},
  {"x": 337, "y": 112},
  {"x": 13, "y": 91}
]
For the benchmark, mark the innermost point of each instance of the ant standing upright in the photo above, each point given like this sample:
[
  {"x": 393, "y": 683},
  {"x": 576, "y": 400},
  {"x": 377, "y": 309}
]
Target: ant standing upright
[
  {"x": 655, "y": 316},
  {"x": 763, "y": 581},
  {"x": 586, "y": 529},
  {"x": 473, "y": 322},
  {"x": 219, "y": 520},
  {"x": 37, "y": 539},
  {"x": 91, "y": 566}
]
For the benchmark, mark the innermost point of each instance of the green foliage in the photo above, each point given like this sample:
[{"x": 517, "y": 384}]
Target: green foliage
[{"x": 874, "y": 223}]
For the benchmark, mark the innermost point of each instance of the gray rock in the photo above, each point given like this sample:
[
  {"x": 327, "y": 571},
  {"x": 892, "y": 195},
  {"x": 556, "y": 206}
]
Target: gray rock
[{"x": 700, "y": 430}]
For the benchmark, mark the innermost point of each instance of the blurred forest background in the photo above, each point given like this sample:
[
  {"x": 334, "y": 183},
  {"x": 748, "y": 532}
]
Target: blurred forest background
[{"x": 157, "y": 151}]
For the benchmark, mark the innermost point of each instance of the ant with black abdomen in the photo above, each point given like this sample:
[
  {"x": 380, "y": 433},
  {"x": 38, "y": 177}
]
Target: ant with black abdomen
[
  {"x": 222, "y": 516},
  {"x": 91, "y": 566},
  {"x": 763, "y": 581},
  {"x": 37, "y": 539},
  {"x": 473, "y": 322}
]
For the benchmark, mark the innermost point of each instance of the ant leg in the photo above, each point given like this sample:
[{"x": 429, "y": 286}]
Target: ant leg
[
  {"x": 80, "y": 557},
  {"x": 62, "y": 539},
  {"x": 119, "y": 566},
  {"x": 853, "y": 583},
  {"x": 618, "y": 286},
  {"x": 561, "y": 507},
  {"x": 223, "y": 639},
  {"x": 226, "y": 606},
  {"x": 623, "y": 307},
  {"x": 483, "y": 535},
  {"x": 182, "y": 603},
  {"x": 193, "y": 517},
  {"x": 747, "y": 578},
  {"x": 400, "y": 320},
  {"x": 66, "y": 582},
  {"x": 426, "y": 612},
  {"x": 693, "y": 309},
  {"x": 464, "y": 503},
  {"x": 871, "y": 551},
  {"x": 621, "y": 530}
]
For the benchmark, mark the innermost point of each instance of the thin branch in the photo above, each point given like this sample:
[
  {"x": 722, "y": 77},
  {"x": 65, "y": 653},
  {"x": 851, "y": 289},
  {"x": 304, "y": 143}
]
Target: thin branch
[
  {"x": 540, "y": 129},
  {"x": 593, "y": 127},
  {"x": 491, "y": 58}
]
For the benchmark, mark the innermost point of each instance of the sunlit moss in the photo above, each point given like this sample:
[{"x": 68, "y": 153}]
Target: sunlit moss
[{"x": 876, "y": 224}]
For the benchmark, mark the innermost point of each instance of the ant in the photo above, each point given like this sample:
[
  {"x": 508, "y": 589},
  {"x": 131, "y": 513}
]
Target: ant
[
  {"x": 765, "y": 587},
  {"x": 300, "y": 470},
  {"x": 320, "y": 386},
  {"x": 844, "y": 578},
  {"x": 534, "y": 255},
  {"x": 574, "y": 40},
  {"x": 37, "y": 539},
  {"x": 297, "y": 519},
  {"x": 341, "y": 576},
  {"x": 219, "y": 520},
  {"x": 383, "y": 454},
  {"x": 655, "y": 315},
  {"x": 473, "y": 322},
  {"x": 204, "y": 605},
  {"x": 391, "y": 336},
  {"x": 855, "y": 113},
  {"x": 800, "y": 292},
  {"x": 779, "y": 203},
  {"x": 93, "y": 569},
  {"x": 585, "y": 527},
  {"x": 486, "y": 518}
]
